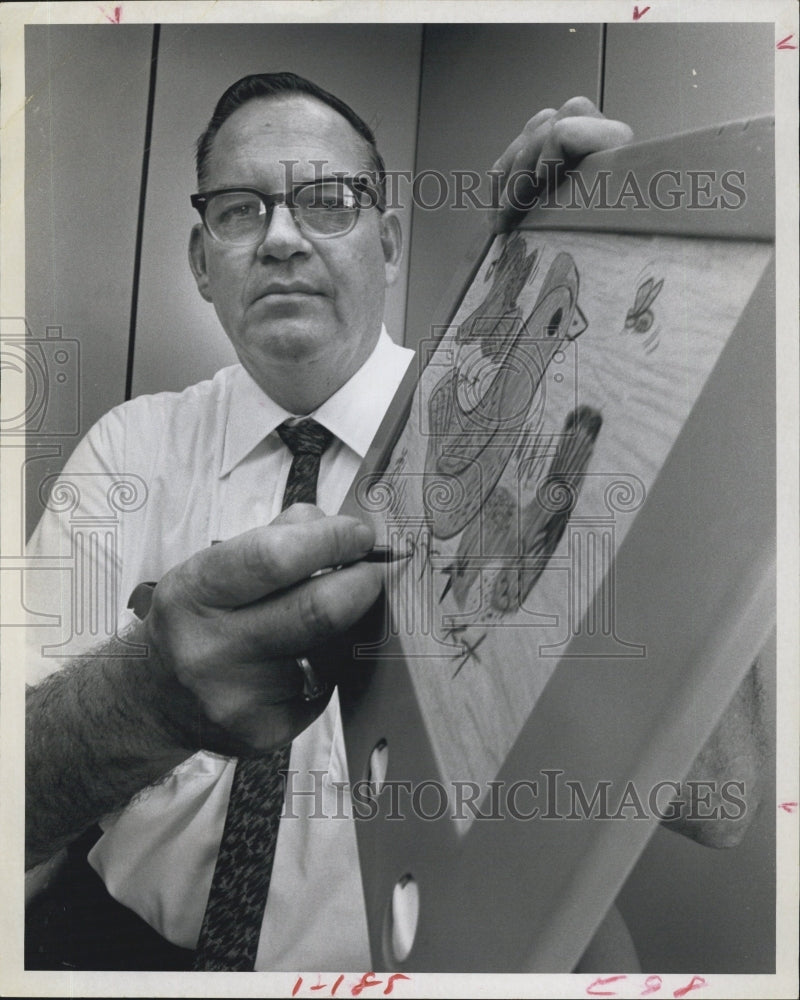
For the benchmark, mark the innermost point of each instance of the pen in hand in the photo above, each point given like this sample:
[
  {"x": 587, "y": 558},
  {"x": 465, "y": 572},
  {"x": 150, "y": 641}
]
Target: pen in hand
[
  {"x": 377, "y": 554},
  {"x": 380, "y": 554},
  {"x": 385, "y": 554},
  {"x": 142, "y": 595}
]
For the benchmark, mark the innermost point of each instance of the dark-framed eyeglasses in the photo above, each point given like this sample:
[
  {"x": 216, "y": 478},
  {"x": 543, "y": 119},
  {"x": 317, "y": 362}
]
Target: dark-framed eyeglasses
[{"x": 322, "y": 209}]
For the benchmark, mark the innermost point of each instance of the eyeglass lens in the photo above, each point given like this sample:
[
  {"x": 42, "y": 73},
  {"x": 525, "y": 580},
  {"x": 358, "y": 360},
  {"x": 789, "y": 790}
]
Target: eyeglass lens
[{"x": 242, "y": 217}]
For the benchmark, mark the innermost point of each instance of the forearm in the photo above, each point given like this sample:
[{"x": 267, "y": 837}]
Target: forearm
[{"x": 97, "y": 733}]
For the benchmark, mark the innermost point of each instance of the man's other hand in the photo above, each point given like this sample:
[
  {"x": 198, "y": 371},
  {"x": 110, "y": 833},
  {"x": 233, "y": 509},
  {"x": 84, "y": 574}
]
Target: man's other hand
[
  {"x": 528, "y": 166},
  {"x": 230, "y": 622}
]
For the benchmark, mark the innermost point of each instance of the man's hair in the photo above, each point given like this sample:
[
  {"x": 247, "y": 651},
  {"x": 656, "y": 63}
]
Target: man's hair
[{"x": 271, "y": 85}]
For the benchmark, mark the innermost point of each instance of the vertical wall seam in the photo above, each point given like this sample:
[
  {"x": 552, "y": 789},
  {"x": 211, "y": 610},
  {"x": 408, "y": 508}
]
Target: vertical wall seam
[
  {"x": 137, "y": 253},
  {"x": 601, "y": 68}
]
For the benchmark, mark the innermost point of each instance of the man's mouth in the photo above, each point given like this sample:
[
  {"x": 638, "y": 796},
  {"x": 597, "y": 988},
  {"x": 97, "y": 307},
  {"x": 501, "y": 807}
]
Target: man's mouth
[{"x": 290, "y": 288}]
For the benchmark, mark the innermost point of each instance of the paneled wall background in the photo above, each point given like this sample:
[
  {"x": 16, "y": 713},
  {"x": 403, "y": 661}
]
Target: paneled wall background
[
  {"x": 111, "y": 120},
  {"x": 85, "y": 117}
]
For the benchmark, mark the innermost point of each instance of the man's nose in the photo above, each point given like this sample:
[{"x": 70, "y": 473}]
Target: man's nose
[{"x": 283, "y": 237}]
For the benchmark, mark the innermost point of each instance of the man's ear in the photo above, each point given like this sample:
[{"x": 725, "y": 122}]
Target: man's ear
[
  {"x": 392, "y": 243},
  {"x": 197, "y": 261}
]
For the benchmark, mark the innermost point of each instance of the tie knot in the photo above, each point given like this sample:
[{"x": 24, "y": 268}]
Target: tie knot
[{"x": 305, "y": 438}]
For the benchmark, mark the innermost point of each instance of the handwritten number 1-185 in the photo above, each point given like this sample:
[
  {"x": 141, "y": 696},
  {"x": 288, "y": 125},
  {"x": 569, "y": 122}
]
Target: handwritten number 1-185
[{"x": 367, "y": 980}]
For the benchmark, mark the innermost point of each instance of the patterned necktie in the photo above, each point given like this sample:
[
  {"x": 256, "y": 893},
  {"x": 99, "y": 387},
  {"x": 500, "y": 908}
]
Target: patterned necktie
[{"x": 235, "y": 909}]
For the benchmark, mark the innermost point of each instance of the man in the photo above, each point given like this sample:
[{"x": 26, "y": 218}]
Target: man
[{"x": 144, "y": 744}]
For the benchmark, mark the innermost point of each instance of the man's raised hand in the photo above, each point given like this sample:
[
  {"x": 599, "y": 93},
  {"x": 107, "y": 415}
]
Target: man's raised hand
[{"x": 551, "y": 137}]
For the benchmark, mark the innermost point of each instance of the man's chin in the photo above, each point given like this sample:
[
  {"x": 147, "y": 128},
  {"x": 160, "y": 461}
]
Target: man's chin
[{"x": 289, "y": 343}]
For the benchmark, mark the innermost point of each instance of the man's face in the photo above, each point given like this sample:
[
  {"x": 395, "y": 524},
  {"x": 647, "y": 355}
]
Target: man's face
[{"x": 302, "y": 313}]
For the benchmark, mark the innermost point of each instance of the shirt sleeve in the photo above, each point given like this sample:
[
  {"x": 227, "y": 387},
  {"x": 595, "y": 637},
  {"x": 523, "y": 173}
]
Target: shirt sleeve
[{"x": 72, "y": 578}]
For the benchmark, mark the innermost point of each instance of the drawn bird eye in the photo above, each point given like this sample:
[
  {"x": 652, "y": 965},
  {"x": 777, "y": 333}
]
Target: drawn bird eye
[{"x": 551, "y": 328}]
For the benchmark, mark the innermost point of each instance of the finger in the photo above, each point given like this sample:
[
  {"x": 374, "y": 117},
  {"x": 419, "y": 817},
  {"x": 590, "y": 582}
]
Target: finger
[
  {"x": 532, "y": 124},
  {"x": 503, "y": 163},
  {"x": 577, "y": 107},
  {"x": 231, "y": 694},
  {"x": 517, "y": 196},
  {"x": 523, "y": 153},
  {"x": 298, "y": 513},
  {"x": 304, "y": 616},
  {"x": 552, "y": 160},
  {"x": 515, "y": 163},
  {"x": 552, "y": 153},
  {"x": 522, "y": 185},
  {"x": 268, "y": 559},
  {"x": 573, "y": 138}
]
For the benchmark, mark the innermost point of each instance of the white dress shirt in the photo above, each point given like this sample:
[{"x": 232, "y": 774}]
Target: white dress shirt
[{"x": 204, "y": 465}]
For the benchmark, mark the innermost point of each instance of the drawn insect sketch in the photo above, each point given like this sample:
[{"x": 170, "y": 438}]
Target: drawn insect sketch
[{"x": 640, "y": 317}]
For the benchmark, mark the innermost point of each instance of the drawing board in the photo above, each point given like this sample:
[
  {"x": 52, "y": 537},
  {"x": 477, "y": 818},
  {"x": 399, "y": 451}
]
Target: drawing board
[{"x": 580, "y": 471}]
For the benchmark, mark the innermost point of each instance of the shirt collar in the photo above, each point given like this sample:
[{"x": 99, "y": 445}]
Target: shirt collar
[{"x": 353, "y": 413}]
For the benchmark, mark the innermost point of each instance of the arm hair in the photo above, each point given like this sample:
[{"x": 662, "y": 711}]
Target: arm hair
[{"x": 97, "y": 733}]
